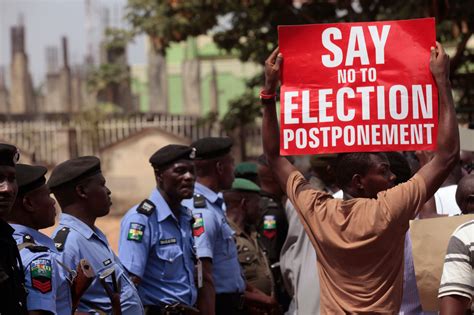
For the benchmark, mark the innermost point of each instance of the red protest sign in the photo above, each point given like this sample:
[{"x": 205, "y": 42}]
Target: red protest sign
[{"x": 355, "y": 87}]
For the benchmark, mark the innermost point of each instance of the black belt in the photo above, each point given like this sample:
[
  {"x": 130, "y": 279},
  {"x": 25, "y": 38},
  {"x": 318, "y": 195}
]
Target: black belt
[
  {"x": 170, "y": 309},
  {"x": 231, "y": 300}
]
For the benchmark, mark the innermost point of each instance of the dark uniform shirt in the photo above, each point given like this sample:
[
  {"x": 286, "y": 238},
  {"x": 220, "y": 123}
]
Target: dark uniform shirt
[
  {"x": 273, "y": 229},
  {"x": 12, "y": 281},
  {"x": 273, "y": 226}
]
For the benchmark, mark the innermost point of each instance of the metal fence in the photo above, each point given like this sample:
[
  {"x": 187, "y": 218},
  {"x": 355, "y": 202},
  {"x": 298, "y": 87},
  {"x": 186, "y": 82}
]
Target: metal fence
[{"x": 50, "y": 140}]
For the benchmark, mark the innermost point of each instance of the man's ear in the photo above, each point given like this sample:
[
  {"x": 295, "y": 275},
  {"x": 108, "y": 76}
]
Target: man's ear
[
  {"x": 357, "y": 182},
  {"x": 81, "y": 191},
  {"x": 219, "y": 168},
  {"x": 158, "y": 176},
  {"x": 27, "y": 204}
]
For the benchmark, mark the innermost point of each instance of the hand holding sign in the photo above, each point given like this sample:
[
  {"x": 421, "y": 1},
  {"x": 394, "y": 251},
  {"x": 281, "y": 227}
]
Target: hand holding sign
[
  {"x": 355, "y": 87},
  {"x": 439, "y": 63},
  {"x": 272, "y": 72}
]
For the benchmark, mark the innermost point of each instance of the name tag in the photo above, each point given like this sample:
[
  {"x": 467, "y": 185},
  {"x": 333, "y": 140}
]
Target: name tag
[
  {"x": 168, "y": 241},
  {"x": 107, "y": 262}
]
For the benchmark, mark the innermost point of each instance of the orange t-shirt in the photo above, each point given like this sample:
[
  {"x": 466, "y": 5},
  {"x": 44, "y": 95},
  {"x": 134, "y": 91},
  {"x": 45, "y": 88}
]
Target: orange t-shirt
[{"x": 359, "y": 243}]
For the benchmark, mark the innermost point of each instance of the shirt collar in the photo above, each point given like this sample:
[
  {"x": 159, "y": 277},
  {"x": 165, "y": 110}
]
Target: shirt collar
[
  {"x": 76, "y": 224},
  {"x": 210, "y": 195},
  {"x": 163, "y": 210},
  {"x": 38, "y": 237}
]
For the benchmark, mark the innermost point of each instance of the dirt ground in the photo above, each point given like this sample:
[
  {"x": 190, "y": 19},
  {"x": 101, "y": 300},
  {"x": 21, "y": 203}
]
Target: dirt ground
[{"x": 110, "y": 225}]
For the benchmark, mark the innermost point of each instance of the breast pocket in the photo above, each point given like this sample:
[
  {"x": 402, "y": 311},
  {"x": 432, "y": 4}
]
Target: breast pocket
[
  {"x": 228, "y": 243},
  {"x": 170, "y": 260},
  {"x": 248, "y": 261}
]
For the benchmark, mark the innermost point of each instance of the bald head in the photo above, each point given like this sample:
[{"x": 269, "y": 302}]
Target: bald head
[{"x": 465, "y": 194}]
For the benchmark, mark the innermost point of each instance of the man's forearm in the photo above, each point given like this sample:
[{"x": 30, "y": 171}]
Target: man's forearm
[
  {"x": 448, "y": 133},
  {"x": 270, "y": 132},
  {"x": 207, "y": 299}
]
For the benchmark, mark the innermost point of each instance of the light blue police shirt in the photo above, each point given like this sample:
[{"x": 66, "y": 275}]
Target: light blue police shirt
[
  {"x": 91, "y": 244},
  {"x": 216, "y": 241},
  {"x": 159, "y": 249},
  {"x": 46, "y": 281}
]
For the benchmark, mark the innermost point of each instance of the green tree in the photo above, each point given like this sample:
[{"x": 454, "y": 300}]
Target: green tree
[{"x": 251, "y": 29}]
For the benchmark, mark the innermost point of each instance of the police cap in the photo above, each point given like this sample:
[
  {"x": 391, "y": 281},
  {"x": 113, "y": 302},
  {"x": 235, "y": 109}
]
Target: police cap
[
  {"x": 9, "y": 155},
  {"x": 245, "y": 185},
  {"x": 171, "y": 153},
  {"x": 72, "y": 171},
  {"x": 29, "y": 177},
  {"x": 212, "y": 147}
]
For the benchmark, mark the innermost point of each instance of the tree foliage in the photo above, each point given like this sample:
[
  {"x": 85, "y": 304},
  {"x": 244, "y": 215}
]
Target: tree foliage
[{"x": 250, "y": 31}]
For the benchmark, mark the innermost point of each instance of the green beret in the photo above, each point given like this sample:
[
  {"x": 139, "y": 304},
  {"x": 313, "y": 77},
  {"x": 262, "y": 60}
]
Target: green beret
[
  {"x": 245, "y": 168},
  {"x": 212, "y": 147},
  {"x": 74, "y": 170},
  {"x": 9, "y": 155},
  {"x": 171, "y": 153},
  {"x": 29, "y": 177},
  {"x": 242, "y": 184}
]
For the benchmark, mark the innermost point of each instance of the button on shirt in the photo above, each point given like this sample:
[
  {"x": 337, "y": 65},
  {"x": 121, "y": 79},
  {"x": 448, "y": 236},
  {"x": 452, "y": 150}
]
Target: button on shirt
[
  {"x": 51, "y": 293},
  {"x": 12, "y": 279},
  {"x": 91, "y": 244},
  {"x": 159, "y": 249},
  {"x": 217, "y": 242}
]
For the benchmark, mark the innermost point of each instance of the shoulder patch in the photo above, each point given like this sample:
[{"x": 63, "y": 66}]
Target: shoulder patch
[
  {"x": 60, "y": 238},
  {"x": 198, "y": 225},
  {"x": 269, "y": 226},
  {"x": 135, "y": 232},
  {"x": 146, "y": 207},
  {"x": 199, "y": 201},
  {"x": 40, "y": 272}
]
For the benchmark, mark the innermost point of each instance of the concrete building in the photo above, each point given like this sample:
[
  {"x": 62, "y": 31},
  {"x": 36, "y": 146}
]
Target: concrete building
[
  {"x": 213, "y": 78},
  {"x": 21, "y": 94}
]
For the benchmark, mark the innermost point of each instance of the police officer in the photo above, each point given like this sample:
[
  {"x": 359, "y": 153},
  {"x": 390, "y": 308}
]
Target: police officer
[
  {"x": 79, "y": 188},
  {"x": 46, "y": 280},
  {"x": 273, "y": 225},
  {"x": 243, "y": 213},
  {"x": 156, "y": 243},
  {"x": 12, "y": 280},
  {"x": 222, "y": 278}
]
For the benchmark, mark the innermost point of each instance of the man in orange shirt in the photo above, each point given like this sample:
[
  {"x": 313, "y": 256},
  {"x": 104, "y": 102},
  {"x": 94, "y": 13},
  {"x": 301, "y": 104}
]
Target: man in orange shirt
[{"x": 359, "y": 241}]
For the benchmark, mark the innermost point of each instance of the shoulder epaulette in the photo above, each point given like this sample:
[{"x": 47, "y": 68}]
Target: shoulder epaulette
[
  {"x": 37, "y": 248},
  {"x": 60, "y": 238},
  {"x": 146, "y": 207},
  {"x": 199, "y": 201},
  {"x": 267, "y": 202}
]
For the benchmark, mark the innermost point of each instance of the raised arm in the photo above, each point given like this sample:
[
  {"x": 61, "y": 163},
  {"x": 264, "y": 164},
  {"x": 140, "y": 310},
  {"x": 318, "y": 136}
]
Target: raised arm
[
  {"x": 447, "y": 153},
  {"x": 270, "y": 133}
]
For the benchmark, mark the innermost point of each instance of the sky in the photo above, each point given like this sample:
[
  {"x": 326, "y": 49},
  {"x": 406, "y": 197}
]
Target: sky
[{"x": 46, "y": 21}]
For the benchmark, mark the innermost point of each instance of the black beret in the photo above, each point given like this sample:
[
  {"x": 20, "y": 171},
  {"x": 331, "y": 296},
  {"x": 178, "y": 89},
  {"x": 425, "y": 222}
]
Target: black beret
[
  {"x": 9, "y": 154},
  {"x": 211, "y": 147},
  {"x": 29, "y": 177},
  {"x": 171, "y": 153},
  {"x": 74, "y": 170}
]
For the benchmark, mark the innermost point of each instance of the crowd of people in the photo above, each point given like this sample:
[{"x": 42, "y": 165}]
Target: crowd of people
[{"x": 260, "y": 238}]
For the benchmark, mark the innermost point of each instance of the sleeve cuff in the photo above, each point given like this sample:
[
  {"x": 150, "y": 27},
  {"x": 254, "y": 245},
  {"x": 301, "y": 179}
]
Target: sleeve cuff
[{"x": 204, "y": 252}]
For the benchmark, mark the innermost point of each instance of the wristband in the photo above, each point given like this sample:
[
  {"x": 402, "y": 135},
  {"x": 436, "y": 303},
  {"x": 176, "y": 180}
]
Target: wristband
[{"x": 264, "y": 96}]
